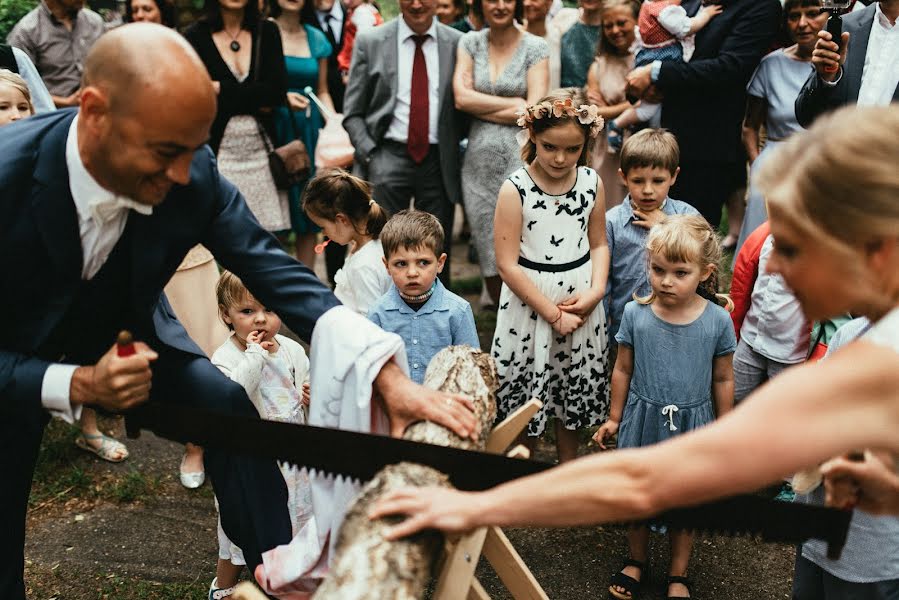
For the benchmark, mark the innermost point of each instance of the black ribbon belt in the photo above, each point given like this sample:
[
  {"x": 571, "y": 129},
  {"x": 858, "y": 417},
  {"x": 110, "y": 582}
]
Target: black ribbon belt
[{"x": 535, "y": 266}]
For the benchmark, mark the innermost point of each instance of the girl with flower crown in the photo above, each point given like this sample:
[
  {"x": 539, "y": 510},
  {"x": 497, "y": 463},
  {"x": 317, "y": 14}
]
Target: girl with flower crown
[{"x": 551, "y": 252}]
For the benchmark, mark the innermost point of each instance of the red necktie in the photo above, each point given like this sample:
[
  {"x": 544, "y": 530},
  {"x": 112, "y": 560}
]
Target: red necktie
[{"x": 417, "y": 142}]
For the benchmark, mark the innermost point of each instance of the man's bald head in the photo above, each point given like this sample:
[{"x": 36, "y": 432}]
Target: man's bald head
[
  {"x": 142, "y": 60},
  {"x": 147, "y": 105}
]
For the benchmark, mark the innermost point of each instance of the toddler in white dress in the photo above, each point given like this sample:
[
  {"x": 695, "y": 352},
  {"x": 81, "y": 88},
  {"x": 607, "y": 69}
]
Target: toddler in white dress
[
  {"x": 274, "y": 370},
  {"x": 342, "y": 206}
]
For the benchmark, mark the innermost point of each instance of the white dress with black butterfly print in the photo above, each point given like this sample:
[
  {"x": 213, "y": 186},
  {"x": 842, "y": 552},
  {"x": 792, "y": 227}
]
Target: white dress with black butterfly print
[{"x": 569, "y": 374}]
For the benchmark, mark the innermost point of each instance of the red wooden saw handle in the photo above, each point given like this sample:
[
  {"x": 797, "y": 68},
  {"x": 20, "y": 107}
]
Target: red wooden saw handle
[
  {"x": 125, "y": 347},
  {"x": 125, "y": 344}
]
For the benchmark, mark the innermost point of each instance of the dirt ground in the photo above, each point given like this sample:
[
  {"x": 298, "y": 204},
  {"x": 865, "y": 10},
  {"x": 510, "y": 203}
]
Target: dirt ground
[
  {"x": 159, "y": 541},
  {"x": 164, "y": 546}
]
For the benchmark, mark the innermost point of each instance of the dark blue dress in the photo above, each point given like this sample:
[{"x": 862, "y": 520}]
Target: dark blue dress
[{"x": 303, "y": 72}]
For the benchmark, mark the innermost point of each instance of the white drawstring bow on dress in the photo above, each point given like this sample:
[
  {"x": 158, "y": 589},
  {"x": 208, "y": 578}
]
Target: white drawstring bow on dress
[{"x": 669, "y": 411}]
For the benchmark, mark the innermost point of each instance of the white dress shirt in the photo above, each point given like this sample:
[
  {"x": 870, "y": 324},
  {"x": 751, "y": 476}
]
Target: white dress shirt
[
  {"x": 101, "y": 220},
  {"x": 880, "y": 75},
  {"x": 399, "y": 126},
  {"x": 775, "y": 325},
  {"x": 335, "y": 23}
]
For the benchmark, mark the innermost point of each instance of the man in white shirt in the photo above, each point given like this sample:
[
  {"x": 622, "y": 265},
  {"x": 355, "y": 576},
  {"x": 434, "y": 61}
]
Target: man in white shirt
[
  {"x": 101, "y": 205},
  {"x": 400, "y": 113},
  {"x": 862, "y": 69},
  {"x": 329, "y": 17}
]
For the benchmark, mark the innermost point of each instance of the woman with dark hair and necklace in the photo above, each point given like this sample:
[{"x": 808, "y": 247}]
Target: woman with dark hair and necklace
[{"x": 244, "y": 57}]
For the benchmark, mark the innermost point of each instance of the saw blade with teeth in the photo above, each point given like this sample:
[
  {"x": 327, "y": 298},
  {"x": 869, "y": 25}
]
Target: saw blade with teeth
[{"x": 358, "y": 457}]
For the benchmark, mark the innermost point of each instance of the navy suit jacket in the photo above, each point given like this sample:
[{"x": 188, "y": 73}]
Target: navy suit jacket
[
  {"x": 705, "y": 99},
  {"x": 41, "y": 256},
  {"x": 815, "y": 97}
]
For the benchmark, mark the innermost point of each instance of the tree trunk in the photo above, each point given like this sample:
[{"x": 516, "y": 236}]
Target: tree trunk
[{"x": 367, "y": 566}]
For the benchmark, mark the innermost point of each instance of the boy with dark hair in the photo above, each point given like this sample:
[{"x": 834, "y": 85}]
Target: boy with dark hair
[{"x": 418, "y": 307}]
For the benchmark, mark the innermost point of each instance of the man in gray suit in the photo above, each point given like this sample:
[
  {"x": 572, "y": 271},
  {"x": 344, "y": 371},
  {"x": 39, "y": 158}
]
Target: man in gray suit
[
  {"x": 865, "y": 39},
  {"x": 400, "y": 113}
]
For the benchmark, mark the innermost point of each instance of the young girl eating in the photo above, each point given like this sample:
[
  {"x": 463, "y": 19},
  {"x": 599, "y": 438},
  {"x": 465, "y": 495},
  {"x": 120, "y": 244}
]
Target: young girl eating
[
  {"x": 674, "y": 372},
  {"x": 551, "y": 251},
  {"x": 274, "y": 370},
  {"x": 15, "y": 99},
  {"x": 342, "y": 206}
]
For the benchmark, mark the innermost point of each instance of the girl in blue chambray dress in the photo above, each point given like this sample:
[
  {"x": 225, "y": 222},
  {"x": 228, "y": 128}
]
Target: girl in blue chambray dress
[{"x": 674, "y": 368}]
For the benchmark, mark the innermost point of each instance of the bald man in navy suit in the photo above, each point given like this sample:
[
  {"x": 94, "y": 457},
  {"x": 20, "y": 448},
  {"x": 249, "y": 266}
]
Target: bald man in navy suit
[{"x": 100, "y": 205}]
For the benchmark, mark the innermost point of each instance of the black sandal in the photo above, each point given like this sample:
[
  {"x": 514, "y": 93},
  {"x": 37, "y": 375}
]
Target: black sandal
[
  {"x": 630, "y": 585},
  {"x": 684, "y": 582}
]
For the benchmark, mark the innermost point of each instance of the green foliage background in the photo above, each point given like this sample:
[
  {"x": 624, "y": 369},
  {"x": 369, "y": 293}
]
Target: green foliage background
[{"x": 10, "y": 12}]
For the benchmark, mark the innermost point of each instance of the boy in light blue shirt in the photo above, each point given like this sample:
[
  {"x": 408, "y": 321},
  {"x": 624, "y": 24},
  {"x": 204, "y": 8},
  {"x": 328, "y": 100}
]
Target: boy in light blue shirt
[
  {"x": 649, "y": 167},
  {"x": 418, "y": 307}
]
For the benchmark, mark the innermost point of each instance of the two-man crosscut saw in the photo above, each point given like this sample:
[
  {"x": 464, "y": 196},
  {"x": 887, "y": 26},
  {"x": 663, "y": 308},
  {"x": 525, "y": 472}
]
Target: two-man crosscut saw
[{"x": 360, "y": 456}]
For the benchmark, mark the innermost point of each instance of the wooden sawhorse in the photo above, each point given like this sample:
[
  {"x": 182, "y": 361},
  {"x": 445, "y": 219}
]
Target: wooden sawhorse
[{"x": 456, "y": 580}]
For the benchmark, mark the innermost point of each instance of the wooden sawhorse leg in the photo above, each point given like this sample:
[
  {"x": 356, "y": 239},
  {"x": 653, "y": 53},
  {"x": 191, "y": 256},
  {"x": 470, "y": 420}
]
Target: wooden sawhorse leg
[{"x": 456, "y": 579}]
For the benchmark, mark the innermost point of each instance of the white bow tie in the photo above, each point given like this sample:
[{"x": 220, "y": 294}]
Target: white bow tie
[{"x": 105, "y": 209}]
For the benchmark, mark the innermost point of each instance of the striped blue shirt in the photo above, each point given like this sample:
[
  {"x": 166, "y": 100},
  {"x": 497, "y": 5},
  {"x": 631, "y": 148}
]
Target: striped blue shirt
[
  {"x": 444, "y": 320},
  {"x": 628, "y": 272}
]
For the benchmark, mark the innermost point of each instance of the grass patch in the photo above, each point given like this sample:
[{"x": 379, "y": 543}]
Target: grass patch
[
  {"x": 63, "y": 472},
  {"x": 56, "y": 474},
  {"x": 135, "y": 589},
  {"x": 485, "y": 323},
  {"x": 133, "y": 486},
  {"x": 63, "y": 583},
  {"x": 466, "y": 285}
]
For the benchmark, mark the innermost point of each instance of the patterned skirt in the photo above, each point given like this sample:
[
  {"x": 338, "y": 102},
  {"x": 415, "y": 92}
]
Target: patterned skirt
[
  {"x": 243, "y": 160},
  {"x": 568, "y": 374}
]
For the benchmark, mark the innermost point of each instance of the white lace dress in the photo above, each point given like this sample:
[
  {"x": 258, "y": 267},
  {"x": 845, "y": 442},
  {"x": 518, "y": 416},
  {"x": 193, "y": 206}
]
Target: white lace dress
[{"x": 274, "y": 383}]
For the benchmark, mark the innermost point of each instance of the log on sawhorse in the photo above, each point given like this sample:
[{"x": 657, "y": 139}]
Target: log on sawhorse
[{"x": 457, "y": 580}]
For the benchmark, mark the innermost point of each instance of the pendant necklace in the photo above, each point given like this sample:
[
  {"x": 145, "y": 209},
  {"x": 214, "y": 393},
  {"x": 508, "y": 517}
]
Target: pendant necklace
[{"x": 234, "y": 45}]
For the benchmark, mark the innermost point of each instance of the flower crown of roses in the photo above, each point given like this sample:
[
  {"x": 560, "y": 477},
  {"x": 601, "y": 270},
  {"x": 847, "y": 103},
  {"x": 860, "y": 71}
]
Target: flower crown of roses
[{"x": 586, "y": 114}]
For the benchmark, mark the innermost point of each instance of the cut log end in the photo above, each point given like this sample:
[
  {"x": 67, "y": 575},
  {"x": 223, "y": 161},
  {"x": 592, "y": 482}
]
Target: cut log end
[{"x": 367, "y": 566}]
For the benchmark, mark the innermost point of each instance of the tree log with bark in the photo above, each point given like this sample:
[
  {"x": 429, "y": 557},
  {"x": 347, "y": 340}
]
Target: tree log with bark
[{"x": 365, "y": 565}]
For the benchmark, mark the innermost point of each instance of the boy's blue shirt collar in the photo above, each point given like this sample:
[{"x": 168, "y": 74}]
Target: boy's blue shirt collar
[
  {"x": 437, "y": 301},
  {"x": 628, "y": 209}
]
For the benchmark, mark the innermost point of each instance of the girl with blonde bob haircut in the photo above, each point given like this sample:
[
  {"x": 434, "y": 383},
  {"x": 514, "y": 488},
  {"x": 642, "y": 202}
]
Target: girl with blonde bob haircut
[
  {"x": 833, "y": 198},
  {"x": 15, "y": 98},
  {"x": 680, "y": 327},
  {"x": 688, "y": 239}
]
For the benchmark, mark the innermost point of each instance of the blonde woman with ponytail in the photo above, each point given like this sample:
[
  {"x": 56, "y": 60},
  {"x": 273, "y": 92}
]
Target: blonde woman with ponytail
[{"x": 833, "y": 201}]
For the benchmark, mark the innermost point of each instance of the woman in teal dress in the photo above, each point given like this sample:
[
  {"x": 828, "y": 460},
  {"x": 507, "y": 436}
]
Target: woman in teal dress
[
  {"x": 306, "y": 52},
  {"x": 573, "y": 35}
]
